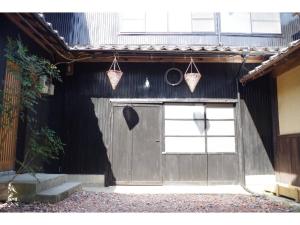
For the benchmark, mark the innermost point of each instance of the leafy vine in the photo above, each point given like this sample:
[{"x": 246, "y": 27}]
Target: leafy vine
[{"x": 42, "y": 143}]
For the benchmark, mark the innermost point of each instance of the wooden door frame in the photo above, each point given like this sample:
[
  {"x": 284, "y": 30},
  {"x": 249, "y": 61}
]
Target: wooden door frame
[{"x": 138, "y": 104}]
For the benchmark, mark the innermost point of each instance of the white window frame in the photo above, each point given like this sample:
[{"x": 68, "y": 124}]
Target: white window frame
[
  {"x": 203, "y": 18},
  {"x": 251, "y": 21},
  {"x": 226, "y": 119},
  {"x": 205, "y": 134},
  {"x": 124, "y": 18},
  {"x": 168, "y": 31}
]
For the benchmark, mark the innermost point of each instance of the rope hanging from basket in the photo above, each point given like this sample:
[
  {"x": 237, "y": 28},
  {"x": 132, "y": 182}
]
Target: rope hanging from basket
[
  {"x": 115, "y": 65},
  {"x": 192, "y": 78},
  {"x": 114, "y": 73},
  {"x": 191, "y": 65}
]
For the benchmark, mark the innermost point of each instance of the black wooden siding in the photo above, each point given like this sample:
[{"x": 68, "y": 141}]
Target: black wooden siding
[
  {"x": 256, "y": 120},
  {"x": 90, "y": 79},
  {"x": 103, "y": 28},
  {"x": 87, "y": 111}
]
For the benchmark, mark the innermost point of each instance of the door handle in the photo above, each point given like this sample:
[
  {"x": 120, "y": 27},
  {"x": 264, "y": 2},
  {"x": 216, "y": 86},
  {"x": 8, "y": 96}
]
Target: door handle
[{"x": 157, "y": 140}]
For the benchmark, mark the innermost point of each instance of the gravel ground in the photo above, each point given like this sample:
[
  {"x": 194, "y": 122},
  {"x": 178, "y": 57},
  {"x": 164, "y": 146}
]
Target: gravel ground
[{"x": 113, "y": 202}]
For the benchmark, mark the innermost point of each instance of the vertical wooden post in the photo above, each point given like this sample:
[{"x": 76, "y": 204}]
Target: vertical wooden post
[
  {"x": 239, "y": 136},
  {"x": 8, "y": 132}
]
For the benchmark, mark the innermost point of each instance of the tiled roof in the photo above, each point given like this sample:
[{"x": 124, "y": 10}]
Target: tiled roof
[
  {"x": 41, "y": 17},
  {"x": 184, "y": 48},
  {"x": 274, "y": 59}
]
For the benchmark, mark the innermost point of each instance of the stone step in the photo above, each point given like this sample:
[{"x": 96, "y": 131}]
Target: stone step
[
  {"x": 58, "y": 193},
  {"x": 25, "y": 186},
  {"x": 87, "y": 180}
]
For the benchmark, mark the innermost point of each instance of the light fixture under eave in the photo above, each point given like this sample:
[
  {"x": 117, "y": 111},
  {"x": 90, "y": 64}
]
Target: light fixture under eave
[
  {"x": 190, "y": 77},
  {"x": 114, "y": 74}
]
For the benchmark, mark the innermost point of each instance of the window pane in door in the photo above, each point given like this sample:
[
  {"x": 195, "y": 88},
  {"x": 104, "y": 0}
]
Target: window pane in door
[
  {"x": 220, "y": 144},
  {"x": 235, "y": 22},
  {"x": 185, "y": 144},
  {"x": 220, "y": 127},
  {"x": 183, "y": 127},
  {"x": 215, "y": 112},
  {"x": 184, "y": 112}
]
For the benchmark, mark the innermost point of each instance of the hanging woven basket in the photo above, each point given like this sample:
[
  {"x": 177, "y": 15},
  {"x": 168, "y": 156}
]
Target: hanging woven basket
[
  {"x": 114, "y": 74},
  {"x": 190, "y": 77}
]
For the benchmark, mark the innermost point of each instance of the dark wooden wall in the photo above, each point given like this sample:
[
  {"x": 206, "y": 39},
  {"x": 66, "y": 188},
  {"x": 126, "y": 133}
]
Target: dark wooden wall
[
  {"x": 87, "y": 112},
  {"x": 288, "y": 159},
  {"x": 90, "y": 79},
  {"x": 256, "y": 122}
]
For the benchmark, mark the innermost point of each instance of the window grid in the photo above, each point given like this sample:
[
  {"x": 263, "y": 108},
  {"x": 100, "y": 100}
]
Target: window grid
[
  {"x": 192, "y": 19},
  {"x": 253, "y": 20},
  {"x": 205, "y": 135},
  {"x": 168, "y": 24}
]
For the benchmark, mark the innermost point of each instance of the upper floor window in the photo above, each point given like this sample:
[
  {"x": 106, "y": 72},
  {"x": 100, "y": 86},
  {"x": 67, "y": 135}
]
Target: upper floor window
[
  {"x": 186, "y": 22},
  {"x": 204, "y": 22},
  {"x": 167, "y": 22},
  {"x": 268, "y": 23},
  {"x": 134, "y": 22}
]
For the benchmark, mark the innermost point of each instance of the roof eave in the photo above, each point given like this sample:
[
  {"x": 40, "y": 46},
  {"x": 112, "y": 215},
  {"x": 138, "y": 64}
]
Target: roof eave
[{"x": 271, "y": 64}]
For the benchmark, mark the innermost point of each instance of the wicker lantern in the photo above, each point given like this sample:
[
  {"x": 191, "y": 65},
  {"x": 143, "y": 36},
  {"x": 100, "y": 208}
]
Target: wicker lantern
[
  {"x": 190, "y": 77},
  {"x": 114, "y": 73}
]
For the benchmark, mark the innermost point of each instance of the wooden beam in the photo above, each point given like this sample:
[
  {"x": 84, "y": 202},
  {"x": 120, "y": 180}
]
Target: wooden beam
[
  {"x": 176, "y": 59},
  {"x": 16, "y": 20},
  {"x": 41, "y": 39},
  {"x": 163, "y": 100}
]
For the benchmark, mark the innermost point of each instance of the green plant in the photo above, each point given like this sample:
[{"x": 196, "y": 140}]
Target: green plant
[{"x": 42, "y": 143}]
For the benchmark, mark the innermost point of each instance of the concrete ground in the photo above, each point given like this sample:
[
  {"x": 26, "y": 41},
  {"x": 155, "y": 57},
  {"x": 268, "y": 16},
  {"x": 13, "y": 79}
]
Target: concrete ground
[{"x": 171, "y": 189}]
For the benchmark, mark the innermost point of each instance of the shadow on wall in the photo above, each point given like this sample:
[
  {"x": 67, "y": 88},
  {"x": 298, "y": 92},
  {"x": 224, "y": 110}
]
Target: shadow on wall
[
  {"x": 256, "y": 116},
  {"x": 202, "y": 125},
  {"x": 131, "y": 117},
  {"x": 85, "y": 151}
]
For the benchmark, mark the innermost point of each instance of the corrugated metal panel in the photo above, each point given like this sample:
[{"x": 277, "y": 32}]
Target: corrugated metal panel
[
  {"x": 103, "y": 28},
  {"x": 87, "y": 112},
  {"x": 257, "y": 125},
  {"x": 90, "y": 79}
]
